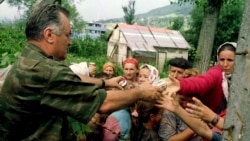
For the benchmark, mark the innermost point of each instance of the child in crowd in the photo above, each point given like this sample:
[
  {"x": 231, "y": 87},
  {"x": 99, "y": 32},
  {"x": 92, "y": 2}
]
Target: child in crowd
[
  {"x": 145, "y": 115},
  {"x": 149, "y": 117}
]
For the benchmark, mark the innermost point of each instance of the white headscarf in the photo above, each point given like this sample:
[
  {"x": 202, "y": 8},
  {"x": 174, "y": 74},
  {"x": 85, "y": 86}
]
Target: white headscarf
[
  {"x": 154, "y": 74},
  {"x": 225, "y": 80}
]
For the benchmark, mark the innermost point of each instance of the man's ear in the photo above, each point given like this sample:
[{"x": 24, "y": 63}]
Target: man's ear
[{"x": 48, "y": 35}]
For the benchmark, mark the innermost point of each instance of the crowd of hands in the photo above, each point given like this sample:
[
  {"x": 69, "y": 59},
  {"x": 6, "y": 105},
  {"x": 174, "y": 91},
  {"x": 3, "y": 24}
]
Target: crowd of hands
[{"x": 166, "y": 97}]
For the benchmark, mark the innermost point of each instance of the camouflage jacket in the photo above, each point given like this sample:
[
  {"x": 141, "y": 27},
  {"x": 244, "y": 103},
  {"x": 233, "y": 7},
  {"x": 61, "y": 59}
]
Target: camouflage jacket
[{"x": 39, "y": 94}]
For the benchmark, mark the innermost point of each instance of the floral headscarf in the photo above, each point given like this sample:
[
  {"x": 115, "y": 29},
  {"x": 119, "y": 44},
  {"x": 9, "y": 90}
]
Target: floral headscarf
[{"x": 154, "y": 74}]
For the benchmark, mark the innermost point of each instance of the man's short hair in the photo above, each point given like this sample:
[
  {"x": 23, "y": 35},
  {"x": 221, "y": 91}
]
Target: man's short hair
[
  {"x": 47, "y": 15},
  {"x": 180, "y": 63}
]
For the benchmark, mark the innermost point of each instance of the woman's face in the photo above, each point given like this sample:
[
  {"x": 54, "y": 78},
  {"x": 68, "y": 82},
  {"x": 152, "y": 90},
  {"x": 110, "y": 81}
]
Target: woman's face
[
  {"x": 144, "y": 75},
  {"x": 226, "y": 61},
  {"x": 130, "y": 71},
  {"x": 109, "y": 71}
]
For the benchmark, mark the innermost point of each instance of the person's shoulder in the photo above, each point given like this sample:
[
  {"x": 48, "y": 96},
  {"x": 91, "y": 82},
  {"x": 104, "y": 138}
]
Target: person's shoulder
[
  {"x": 168, "y": 113},
  {"x": 215, "y": 71},
  {"x": 122, "y": 113}
]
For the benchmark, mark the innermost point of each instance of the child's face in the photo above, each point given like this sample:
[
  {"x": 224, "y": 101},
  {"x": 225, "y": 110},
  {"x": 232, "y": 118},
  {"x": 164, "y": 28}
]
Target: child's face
[{"x": 144, "y": 75}]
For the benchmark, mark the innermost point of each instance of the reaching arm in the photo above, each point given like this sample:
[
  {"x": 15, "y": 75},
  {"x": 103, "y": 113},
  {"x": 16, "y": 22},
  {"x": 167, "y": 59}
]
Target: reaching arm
[
  {"x": 201, "y": 111},
  {"x": 117, "y": 99},
  {"x": 201, "y": 84},
  {"x": 185, "y": 135},
  {"x": 198, "y": 126},
  {"x": 113, "y": 82}
]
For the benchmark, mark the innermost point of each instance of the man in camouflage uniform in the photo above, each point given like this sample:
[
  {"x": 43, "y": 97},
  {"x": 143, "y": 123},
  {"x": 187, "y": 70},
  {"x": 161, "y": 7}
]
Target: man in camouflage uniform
[{"x": 40, "y": 91}]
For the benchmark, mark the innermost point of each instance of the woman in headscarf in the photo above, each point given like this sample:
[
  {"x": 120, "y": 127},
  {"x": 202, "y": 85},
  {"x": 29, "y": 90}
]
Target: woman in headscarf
[{"x": 212, "y": 87}]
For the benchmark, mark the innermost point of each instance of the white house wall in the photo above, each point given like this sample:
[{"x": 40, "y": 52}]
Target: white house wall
[
  {"x": 161, "y": 60},
  {"x": 122, "y": 52},
  {"x": 110, "y": 48},
  {"x": 172, "y": 53},
  {"x": 131, "y": 38}
]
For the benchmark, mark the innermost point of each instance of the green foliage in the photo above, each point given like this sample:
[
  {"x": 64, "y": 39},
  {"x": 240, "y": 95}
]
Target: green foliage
[
  {"x": 227, "y": 27},
  {"x": 12, "y": 40},
  {"x": 176, "y": 23},
  {"x": 20, "y": 3},
  {"x": 77, "y": 21},
  {"x": 88, "y": 47},
  {"x": 129, "y": 12},
  {"x": 79, "y": 129}
]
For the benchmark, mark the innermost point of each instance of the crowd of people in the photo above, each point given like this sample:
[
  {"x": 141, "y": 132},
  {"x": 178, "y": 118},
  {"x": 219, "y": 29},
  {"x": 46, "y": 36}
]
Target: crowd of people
[{"x": 41, "y": 94}]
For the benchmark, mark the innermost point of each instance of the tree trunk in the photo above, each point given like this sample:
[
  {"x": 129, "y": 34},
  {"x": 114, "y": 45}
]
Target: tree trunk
[
  {"x": 206, "y": 39},
  {"x": 1, "y": 1},
  {"x": 239, "y": 99}
]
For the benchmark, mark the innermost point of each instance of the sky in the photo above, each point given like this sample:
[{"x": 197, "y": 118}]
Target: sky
[{"x": 93, "y": 10}]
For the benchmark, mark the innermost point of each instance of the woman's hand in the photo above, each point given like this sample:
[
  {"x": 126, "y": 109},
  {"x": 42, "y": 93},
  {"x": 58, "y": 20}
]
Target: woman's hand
[
  {"x": 168, "y": 102},
  {"x": 198, "y": 110},
  {"x": 173, "y": 86}
]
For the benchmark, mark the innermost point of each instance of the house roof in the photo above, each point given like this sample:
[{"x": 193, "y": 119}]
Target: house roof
[{"x": 145, "y": 38}]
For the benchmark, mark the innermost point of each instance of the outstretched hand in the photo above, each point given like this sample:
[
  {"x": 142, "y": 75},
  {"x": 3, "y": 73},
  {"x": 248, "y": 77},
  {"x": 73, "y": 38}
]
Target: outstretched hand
[
  {"x": 114, "y": 82},
  {"x": 149, "y": 92},
  {"x": 198, "y": 110},
  {"x": 173, "y": 86},
  {"x": 168, "y": 102}
]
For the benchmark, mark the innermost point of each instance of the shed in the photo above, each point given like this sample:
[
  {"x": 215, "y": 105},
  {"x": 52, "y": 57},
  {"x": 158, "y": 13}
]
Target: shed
[{"x": 145, "y": 43}]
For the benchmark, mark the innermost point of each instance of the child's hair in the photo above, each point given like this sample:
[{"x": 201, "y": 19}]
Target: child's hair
[
  {"x": 183, "y": 100},
  {"x": 145, "y": 109},
  {"x": 190, "y": 72}
]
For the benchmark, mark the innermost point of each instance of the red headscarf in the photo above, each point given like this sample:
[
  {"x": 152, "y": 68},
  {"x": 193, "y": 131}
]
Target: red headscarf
[{"x": 132, "y": 61}]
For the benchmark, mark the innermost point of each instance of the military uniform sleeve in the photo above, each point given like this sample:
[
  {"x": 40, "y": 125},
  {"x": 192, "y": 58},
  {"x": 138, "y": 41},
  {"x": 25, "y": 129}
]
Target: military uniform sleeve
[{"x": 66, "y": 93}]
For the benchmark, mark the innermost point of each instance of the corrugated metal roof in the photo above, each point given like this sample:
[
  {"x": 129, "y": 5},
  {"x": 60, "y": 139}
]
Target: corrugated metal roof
[{"x": 144, "y": 38}]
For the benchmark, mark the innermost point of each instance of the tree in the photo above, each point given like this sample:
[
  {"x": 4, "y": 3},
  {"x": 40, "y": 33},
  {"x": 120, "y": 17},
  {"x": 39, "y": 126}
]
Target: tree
[
  {"x": 227, "y": 26},
  {"x": 207, "y": 34},
  {"x": 237, "y": 123},
  {"x": 176, "y": 23},
  {"x": 129, "y": 12},
  {"x": 77, "y": 21}
]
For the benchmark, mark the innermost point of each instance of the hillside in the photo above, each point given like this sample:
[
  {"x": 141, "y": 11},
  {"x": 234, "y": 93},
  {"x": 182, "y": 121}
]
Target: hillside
[
  {"x": 177, "y": 9},
  {"x": 159, "y": 17}
]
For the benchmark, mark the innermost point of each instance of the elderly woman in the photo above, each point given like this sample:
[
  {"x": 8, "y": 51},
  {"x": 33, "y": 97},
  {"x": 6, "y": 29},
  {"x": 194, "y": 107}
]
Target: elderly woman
[{"x": 109, "y": 69}]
